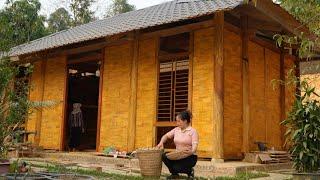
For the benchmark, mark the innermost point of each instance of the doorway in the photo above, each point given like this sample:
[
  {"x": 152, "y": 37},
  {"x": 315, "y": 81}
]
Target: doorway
[{"x": 83, "y": 87}]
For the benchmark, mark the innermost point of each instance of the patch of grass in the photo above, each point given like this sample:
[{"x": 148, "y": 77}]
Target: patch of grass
[
  {"x": 243, "y": 176},
  {"x": 94, "y": 173}
]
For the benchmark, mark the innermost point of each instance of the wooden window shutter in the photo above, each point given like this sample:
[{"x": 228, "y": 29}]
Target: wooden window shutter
[{"x": 172, "y": 88}]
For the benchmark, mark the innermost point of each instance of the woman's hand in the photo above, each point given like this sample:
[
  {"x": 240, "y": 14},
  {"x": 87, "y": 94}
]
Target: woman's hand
[
  {"x": 160, "y": 145},
  {"x": 188, "y": 151}
]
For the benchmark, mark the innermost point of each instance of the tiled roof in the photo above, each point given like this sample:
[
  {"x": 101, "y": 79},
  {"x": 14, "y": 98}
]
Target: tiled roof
[{"x": 164, "y": 13}]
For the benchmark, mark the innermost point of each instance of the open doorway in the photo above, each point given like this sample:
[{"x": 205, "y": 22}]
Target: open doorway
[{"x": 83, "y": 89}]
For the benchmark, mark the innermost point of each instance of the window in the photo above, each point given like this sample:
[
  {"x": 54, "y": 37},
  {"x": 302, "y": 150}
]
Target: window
[
  {"x": 173, "y": 82},
  {"x": 173, "y": 89}
]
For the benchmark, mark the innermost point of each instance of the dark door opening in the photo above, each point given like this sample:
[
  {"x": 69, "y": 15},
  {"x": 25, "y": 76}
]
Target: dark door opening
[{"x": 83, "y": 88}]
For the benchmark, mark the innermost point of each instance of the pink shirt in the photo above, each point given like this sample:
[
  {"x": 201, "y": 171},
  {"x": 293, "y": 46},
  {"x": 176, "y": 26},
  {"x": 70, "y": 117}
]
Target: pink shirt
[{"x": 185, "y": 139}]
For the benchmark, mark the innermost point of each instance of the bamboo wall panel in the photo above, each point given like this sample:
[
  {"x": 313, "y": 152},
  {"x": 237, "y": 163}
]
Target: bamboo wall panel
[
  {"x": 273, "y": 107},
  {"x": 36, "y": 93},
  {"x": 52, "y": 118},
  {"x": 116, "y": 96},
  {"x": 202, "y": 95},
  {"x": 289, "y": 90},
  {"x": 146, "y": 93},
  {"x": 256, "y": 94},
  {"x": 232, "y": 96}
]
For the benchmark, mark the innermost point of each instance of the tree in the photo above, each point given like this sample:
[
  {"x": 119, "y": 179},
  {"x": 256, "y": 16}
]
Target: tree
[
  {"x": 59, "y": 20},
  {"x": 81, "y": 11},
  {"x": 20, "y": 22},
  {"x": 14, "y": 102},
  {"x": 118, "y": 7}
]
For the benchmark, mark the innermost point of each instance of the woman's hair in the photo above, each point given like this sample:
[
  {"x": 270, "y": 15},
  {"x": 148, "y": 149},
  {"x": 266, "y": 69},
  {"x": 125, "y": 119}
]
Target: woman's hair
[{"x": 185, "y": 115}]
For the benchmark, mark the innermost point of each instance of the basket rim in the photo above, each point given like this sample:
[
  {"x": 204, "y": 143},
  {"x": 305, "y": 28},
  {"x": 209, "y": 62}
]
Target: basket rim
[{"x": 149, "y": 150}]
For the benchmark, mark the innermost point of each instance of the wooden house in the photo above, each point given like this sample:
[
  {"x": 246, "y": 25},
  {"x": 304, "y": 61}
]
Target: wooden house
[{"x": 133, "y": 72}]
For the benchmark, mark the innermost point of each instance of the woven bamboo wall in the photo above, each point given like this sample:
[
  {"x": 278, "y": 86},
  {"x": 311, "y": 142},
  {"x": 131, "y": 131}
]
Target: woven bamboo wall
[
  {"x": 146, "y": 93},
  {"x": 116, "y": 96},
  {"x": 202, "y": 95},
  {"x": 232, "y": 95},
  {"x": 54, "y": 88},
  {"x": 273, "y": 106},
  {"x": 256, "y": 94},
  {"x": 264, "y": 65},
  {"x": 36, "y": 94}
]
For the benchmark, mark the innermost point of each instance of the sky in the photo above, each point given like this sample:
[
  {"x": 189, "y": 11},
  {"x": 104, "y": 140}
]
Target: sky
[{"x": 100, "y": 6}]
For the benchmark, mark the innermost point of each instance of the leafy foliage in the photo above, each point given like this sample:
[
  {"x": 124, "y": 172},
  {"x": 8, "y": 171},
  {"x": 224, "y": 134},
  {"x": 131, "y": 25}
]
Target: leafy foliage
[
  {"x": 119, "y": 7},
  {"x": 308, "y": 13},
  {"x": 303, "y": 127},
  {"x": 59, "y": 20},
  {"x": 20, "y": 22},
  {"x": 81, "y": 11},
  {"x": 14, "y": 103}
]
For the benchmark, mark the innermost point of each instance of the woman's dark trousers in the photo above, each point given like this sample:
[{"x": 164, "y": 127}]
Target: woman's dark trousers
[
  {"x": 180, "y": 166},
  {"x": 75, "y": 137}
]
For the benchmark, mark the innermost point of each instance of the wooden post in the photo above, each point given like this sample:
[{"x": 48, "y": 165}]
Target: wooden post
[
  {"x": 245, "y": 83},
  {"x": 191, "y": 56},
  {"x": 65, "y": 107},
  {"x": 282, "y": 94},
  {"x": 39, "y": 113},
  {"x": 133, "y": 96},
  {"x": 103, "y": 52},
  {"x": 218, "y": 87}
]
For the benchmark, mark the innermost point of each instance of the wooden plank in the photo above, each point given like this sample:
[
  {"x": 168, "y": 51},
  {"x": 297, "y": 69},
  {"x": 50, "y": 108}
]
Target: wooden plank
[
  {"x": 218, "y": 86},
  {"x": 245, "y": 83},
  {"x": 133, "y": 96},
  {"x": 178, "y": 29}
]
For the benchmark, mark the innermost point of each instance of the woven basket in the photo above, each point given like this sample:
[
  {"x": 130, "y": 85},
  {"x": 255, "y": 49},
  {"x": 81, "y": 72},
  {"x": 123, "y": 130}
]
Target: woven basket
[
  {"x": 177, "y": 155},
  {"x": 150, "y": 162}
]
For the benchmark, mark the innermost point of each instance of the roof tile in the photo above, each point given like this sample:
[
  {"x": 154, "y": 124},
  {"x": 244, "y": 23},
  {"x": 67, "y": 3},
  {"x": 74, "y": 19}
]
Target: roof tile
[{"x": 164, "y": 13}]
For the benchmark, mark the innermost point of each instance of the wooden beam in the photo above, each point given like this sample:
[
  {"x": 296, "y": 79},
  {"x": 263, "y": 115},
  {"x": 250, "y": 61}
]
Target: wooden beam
[
  {"x": 265, "y": 43},
  {"x": 178, "y": 29},
  {"x": 245, "y": 83},
  {"x": 279, "y": 15},
  {"x": 96, "y": 57},
  {"x": 133, "y": 95},
  {"x": 263, "y": 25},
  {"x": 218, "y": 86},
  {"x": 171, "y": 56},
  {"x": 72, "y": 51}
]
